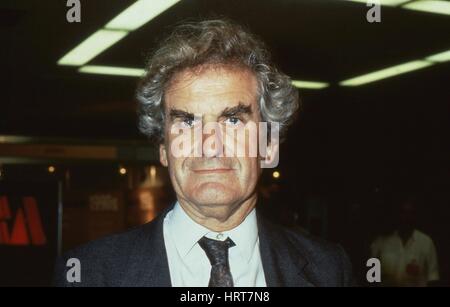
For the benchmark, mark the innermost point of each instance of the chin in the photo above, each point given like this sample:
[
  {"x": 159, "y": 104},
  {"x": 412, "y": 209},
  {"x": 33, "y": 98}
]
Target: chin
[{"x": 214, "y": 193}]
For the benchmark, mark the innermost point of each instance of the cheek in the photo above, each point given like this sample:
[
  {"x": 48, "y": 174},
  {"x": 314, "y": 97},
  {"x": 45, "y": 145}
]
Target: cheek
[
  {"x": 249, "y": 172},
  {"x": 178, "y": 174}
]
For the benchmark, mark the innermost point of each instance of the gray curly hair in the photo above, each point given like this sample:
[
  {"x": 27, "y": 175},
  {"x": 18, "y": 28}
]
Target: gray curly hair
[{"x": 220, "y": 42}]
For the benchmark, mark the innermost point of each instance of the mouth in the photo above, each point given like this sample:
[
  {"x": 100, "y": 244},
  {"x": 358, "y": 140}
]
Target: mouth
[{"x": 213, "y": 170}]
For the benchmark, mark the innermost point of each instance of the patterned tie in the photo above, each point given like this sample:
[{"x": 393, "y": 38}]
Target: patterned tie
[{"x": 217, "y": 252}]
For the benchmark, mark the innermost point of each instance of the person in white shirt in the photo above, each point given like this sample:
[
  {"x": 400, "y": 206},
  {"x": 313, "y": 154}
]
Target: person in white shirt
[{"x": 407, "y": 256}]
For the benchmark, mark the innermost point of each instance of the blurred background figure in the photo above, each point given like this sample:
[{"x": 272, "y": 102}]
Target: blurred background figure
[{"x": 407, "y": 255}]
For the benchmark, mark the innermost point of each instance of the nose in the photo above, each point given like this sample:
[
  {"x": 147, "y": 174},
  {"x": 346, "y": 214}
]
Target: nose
[{"x": 212, "y": 140}]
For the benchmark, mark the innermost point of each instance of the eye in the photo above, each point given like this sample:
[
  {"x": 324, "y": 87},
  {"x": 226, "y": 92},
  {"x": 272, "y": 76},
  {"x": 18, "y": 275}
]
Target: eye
[
  {"x": 189, "y": 122},
  {"x": 233, "y": 121}
]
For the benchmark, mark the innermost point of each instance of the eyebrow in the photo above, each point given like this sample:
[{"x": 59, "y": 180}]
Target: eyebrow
[
  {"x": 177, "y": 113},
  {"x": 240, "y": 109}
]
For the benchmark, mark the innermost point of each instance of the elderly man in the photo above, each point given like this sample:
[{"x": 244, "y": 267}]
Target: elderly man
[{"x": 212, "y": 72}]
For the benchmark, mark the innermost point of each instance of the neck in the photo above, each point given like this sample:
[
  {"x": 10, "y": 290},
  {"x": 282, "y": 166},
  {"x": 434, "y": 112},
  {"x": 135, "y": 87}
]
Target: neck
[
  {"x": 405, "y": 233},
  {"x": 219, "y": 218}
]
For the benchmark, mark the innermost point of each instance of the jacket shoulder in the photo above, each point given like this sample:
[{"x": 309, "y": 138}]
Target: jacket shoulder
[
  {"x": 327, "y": 263},
  {"x": 102, "y": 260}
]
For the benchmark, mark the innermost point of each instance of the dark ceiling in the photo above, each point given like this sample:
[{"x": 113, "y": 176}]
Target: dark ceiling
[{"x": 322, "y": 40}]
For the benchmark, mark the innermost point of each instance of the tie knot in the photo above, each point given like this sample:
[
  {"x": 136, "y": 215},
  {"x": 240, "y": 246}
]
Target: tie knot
[{"x": 216, "y": 251}]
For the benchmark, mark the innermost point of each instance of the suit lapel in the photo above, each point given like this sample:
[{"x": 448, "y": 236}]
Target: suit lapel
[{"x": 283, "y": 263}]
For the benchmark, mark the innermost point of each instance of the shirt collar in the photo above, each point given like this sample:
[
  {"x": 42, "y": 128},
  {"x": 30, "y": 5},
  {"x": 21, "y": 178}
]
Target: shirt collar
[
  {"x": 412, "y": 238},
  {"x": 186, "y": 232}
]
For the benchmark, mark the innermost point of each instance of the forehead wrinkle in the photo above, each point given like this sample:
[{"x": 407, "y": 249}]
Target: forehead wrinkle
[
  {"x": 212, "y": 89},
  {"x": 189, "y": 77}
]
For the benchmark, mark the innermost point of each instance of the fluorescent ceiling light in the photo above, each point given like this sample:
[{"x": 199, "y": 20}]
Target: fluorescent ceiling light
[
  {"x": 439, "y": 57},
  {"x": 91, "y": 47},
  {"x": 382, "y": 2},
  {"x": 429, "y": 6},
  {"x": 130, "y": 19},
  {"x": 309, "y": 84},
  {"x": 386, "y": 73},
  {"x": 137, "y": 72},
  {"x": 111, "y": 70},
  {"x": 139, "y": 13}
]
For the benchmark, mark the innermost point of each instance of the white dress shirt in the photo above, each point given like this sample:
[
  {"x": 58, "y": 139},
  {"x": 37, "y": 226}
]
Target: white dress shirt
[
  {"x": 188, "y": 264},
  {"x": 411, "y": 264}
]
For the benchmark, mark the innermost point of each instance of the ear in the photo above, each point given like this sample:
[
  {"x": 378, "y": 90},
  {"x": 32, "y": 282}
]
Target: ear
[{"x": 163, "y": 155}]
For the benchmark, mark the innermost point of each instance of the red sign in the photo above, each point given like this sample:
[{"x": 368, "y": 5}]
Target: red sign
[{"x": 26, "y": 223}]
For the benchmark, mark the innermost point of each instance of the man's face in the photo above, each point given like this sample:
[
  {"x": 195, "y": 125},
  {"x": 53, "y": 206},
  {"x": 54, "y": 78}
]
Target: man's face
[{"x": 216, "y": 94}]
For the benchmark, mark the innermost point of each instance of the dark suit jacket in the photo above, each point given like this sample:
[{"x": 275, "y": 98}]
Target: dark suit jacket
[{"x": 138, "y": 258}]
